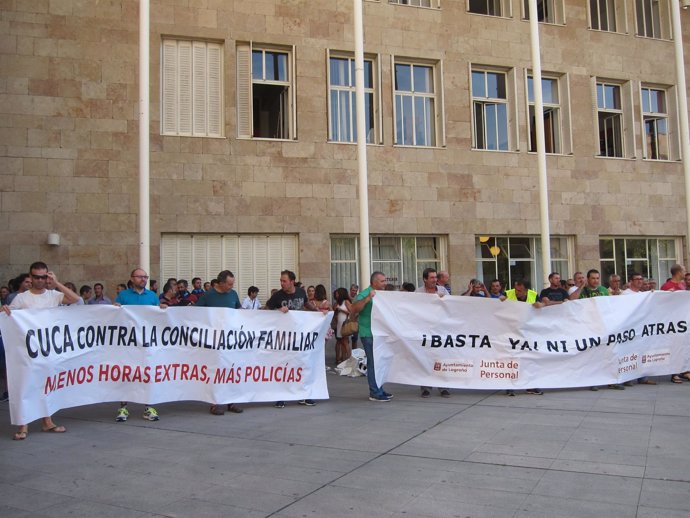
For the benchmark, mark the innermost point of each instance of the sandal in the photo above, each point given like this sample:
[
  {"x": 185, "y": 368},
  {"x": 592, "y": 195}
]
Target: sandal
[
  {"x": 55, "y": 429},
  {"x": 685, "y": 375},
  {"x": 20, "y": 436},
  {"x": 676, "y": 379}
]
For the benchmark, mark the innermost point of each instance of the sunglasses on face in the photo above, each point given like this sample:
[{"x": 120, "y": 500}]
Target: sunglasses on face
[{"x": 39, "y": 277}]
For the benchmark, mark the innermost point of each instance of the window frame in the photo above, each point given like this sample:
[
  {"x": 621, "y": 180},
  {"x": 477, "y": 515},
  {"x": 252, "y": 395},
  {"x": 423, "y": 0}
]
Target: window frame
[
  {"x": 437, "y": 118},
  {"x": 212, "y": 84},
  {"x": 433, "y": 4},
  {"x": 670, "y": 116},
  {"x": 562, "y": 263},
  {"x": 505, "y": 6},
  {"x": 620, "y": 16},
  {"x": 375, "y": 61},
  {"x": 245, "y": 92},
  {"x": 403, "y": 240},
  {"x": 564, "y": 144},
  {"x": 509, "y": 102},
  {"x": 664, "y": 31},
  {"x": 652, "y": 271},
  {"x": 628, "y": 119},
  {"x": 557, "y": 8}
]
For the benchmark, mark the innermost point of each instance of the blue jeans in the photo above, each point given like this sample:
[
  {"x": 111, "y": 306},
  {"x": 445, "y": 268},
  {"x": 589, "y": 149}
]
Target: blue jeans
[{"x": 368, "y": 343}]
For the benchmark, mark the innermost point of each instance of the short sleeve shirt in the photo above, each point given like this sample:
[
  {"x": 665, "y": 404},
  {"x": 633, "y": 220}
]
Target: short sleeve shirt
[
  {"x": 28, "y": 300},
  {"x": 440, "y": 291},
  {"x": 365, "y": 314},
  {"x": 215, "y": 299},
  {"x": 293, "y": 301},
  {"x": 554, "y": 294},
  {"x": 588, "y": 293},
  {"x": 131, "y": 297}
]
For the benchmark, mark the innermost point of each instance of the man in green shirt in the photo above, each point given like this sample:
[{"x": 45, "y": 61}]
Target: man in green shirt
[
  {"x": 363, "y": 304},
  {"x": 593, "y": 288}
]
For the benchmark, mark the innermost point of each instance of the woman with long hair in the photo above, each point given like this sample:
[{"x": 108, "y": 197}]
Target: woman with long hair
[{"x": 343, "y": 304}]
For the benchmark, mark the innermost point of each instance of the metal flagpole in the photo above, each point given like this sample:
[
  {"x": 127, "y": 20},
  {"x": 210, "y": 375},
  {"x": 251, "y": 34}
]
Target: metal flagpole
[
  {"x": 682, "y": 109},
  {"x": 364, "y": 261},
  {"x": 541, "y": 148},
  {"x": 144, "y": 203}
]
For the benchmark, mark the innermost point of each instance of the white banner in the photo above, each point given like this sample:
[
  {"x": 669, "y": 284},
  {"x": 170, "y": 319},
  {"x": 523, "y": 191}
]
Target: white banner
[
  {"x": 468, "y": 342},
  {"x": 71, "y": 356}
]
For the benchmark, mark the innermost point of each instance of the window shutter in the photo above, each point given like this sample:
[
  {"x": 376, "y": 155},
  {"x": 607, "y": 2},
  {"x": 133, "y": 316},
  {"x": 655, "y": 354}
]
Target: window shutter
[
  {"x": 169, "y": 87},
  {"x": 200, "y": 88},
  {"x": 230, "y": 252},
  {"x": 215, "y": 89},
  {"x": 629, "y": 145},
  {"x": 244, "y": 91},
  {"x": 168, "y": 257},
  {"x": 261, "y": 277},
  {"x": 245, "y": 265},
  {"x": 184, "y": 258},
  {"x": 214, "y": 255},
  {"x": 184, "y": 50},
  {"x": 595, "y": 116},
  {"x": 566, "y": 121}
]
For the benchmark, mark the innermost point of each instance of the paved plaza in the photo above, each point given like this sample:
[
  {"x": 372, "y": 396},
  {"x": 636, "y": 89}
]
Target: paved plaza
[{"x": 569, "y": 453}]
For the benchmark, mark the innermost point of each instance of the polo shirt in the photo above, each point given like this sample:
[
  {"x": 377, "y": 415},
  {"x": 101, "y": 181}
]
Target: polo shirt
[{"x": 130, "y": 297}]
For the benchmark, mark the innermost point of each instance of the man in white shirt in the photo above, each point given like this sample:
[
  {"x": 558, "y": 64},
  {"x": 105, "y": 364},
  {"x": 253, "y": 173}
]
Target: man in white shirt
[
  {"x": 431, "y": 286},
  {"x": 39, "y": 297}
]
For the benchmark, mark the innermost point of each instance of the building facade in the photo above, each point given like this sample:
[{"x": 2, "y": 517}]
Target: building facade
[{"x": 253, "y": 162}]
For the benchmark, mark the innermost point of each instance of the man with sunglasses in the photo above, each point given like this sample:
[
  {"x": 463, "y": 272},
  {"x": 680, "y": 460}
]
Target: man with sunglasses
[{"x": 39, "y": 296}]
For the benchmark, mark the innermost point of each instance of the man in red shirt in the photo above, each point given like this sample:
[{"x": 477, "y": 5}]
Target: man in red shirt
[{"x": 677, "y": 283}]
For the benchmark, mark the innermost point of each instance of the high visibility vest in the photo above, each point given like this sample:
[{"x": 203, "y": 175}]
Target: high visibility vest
[{"x": 531, "y": 296}]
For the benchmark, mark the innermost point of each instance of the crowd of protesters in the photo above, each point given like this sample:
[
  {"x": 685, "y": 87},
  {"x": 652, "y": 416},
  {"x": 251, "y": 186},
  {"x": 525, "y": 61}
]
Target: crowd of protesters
[{"x": 41, "y": 288}]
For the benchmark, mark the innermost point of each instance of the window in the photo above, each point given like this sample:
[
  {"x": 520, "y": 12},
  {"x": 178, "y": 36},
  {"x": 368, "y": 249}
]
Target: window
[
  {"x": 607, "y": 15},
  {"x": 265, "y": 93},
  {"x": 417, "y": 119},
  {"x": 509, "y": 258},
  {"x": 548, "y": 11},
  {"x": 490, "y": 110},
  {"x": 401, "y": 258},
  {"x": 614, "y": 114},
  {"x": 342, "y": 110},
  {"x": 417, "y": 3},
  {"x": 552, "y": 115},
  {"x": 191, "y": 88},
  {"x": 653, "y": 19},
  {"x": 490, "y": 7},
  {"x": 256, "y": 260},
  {"x": 651, "y": 257},
  {"x": 656, "y": 124}
]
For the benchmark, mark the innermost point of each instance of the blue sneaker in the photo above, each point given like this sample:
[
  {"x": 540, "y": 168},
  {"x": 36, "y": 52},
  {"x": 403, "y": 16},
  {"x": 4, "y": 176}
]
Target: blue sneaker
[{"x": 380, "y": 399}]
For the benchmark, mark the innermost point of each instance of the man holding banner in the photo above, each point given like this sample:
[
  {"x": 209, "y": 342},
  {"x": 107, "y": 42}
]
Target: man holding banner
[
  {"x": 222, "y": 296},
  {"x": 289, "y": 297},
  {"x": 363, "y": 305},
  {"x": 137, "y": 295},
  {"x": 39, "y": 297}
]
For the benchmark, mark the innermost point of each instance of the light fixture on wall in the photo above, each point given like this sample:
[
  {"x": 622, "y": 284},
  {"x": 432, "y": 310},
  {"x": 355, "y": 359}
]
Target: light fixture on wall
[{"x": 54, "y": 239}]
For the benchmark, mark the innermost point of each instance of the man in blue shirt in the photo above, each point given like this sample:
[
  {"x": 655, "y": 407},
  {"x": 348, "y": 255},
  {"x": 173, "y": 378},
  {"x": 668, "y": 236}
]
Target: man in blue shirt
[
  {"x": 222, "y": 295},
  {"x": 137, "y": 295}
]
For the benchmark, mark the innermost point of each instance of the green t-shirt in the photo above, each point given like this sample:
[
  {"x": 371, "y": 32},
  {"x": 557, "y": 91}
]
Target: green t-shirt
[
  {"x": 588, "y": 293},
  {"x": 365, "y": 314}
]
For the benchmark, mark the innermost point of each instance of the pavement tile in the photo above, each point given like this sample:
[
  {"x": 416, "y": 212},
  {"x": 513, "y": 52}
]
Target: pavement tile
[
  {"x": 540, "y": 506},
  {"x": 589, "y": 487},
  {"x": 666, "y": 494}
]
